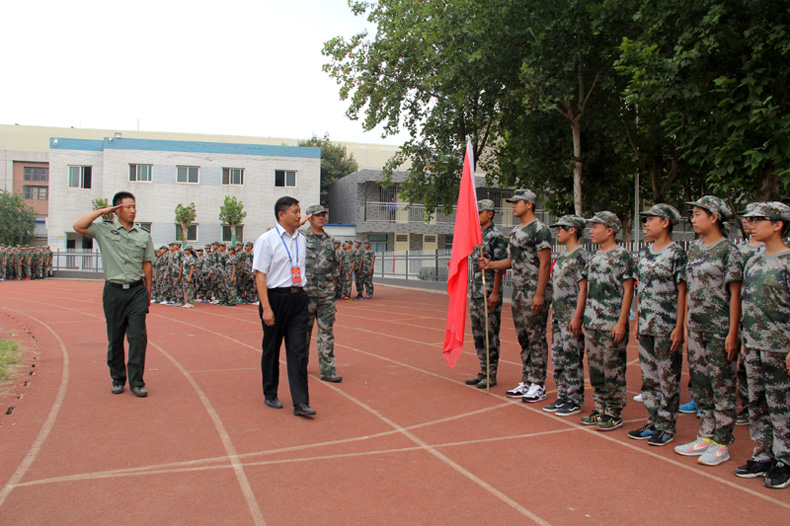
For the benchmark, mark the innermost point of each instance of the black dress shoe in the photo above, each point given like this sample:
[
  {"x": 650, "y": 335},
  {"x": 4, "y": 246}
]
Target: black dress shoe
[
  {"x": 303, "y": 410},
  {"x": 117, "y": 389},
  {"x": 274, "y": 403},
  {"x": 334, "y": 379},
  {"x": 139, "y": 392}
]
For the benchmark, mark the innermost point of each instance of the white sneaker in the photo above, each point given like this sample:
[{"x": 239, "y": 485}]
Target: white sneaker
[
  {"x": 692, "y": 449},
  {"x": 638, "y": 398},
  {"x": 518, "y": 391},
  {"x": 715, "y": 454},
  {"x": 535, "y": 393}
]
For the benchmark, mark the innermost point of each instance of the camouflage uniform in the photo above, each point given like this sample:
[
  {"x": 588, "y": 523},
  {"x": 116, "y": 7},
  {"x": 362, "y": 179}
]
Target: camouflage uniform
[
  {"x": 160, "y": 266},
  {"x": 176, "y": 270},
  {"x": 345, "y": 274},
  {"x": 659, "y": 273},
  {"x": 747, "y": 251},
  {"x": 368, "y": 260},
  {"x": 250, "y": 289},
  {"x": 358, "y": 276},
  {"x": 340, "y": 255},
  {"x": 3, "y": 255},
  {"x": 218, "y": 272},
  {"x": 567, "y": 351},
  {"x": 524, "y": 244},
  {"x": 494, "y": 249},
  {"x": 709, "y": 272},
  {"x": 189, "y": 285},
  {"x": 321, "y": 271},
  {"x": 230, "y": 276}
]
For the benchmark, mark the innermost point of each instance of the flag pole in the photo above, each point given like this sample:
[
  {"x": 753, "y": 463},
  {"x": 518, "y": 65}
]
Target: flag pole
[{"x": 485, "y": 307}]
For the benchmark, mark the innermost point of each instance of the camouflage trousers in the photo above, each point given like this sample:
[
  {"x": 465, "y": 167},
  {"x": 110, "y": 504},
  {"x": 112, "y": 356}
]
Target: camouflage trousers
[
  {"x": 230, "y": 289},
  {"x": 176, "y": 290},
  {"x": 323, "y": 311},
  {"x": 567, "y": 356},
  {"x": 218, "y": 287},
  {"x": 367, "y": 285},
  {"x": 660, "y": 380},
  {"x": 743, "y": 382},
  {"x": 359, "y": 280},
  {"x": 189, "y": 292},
  {"x": 769, "y": 404},
  {"x": 477, "y": 311},
  {"x": 531, "y": 332},
  {"x": 345, "y": 282},
  {"x": 607, "y": 361},
  {"x": 714, "y": 386}
]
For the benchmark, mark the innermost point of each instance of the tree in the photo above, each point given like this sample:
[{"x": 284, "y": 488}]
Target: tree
[
  {"x": 17, "y": 219},
  {"x": 336, "y": 162},
  {"x": 98, "y": 204},
  {"x": 185, "y": 216},
  {"x": 232, "y": 213}
]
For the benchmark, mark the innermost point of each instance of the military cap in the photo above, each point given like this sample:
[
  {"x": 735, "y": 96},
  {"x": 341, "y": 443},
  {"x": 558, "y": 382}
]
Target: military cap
[
  {"x": 749, "y": 208},
  {"x": 486, "y": 204},
  {"x": 189, "y": 247},
  {"x": 222, "y": 245},
  {"x": 347, "y": 242},
  {"x": 773, "y": 210},
  {"x": 199, "y": 250},
  {"x": 358, "y": 242},
  {"x": 607, "y": 219},
  {"x": 214, "y": 243},
  {"x": 714, "y": 205},
  {"x": 570, "y": 221},
  {"x": 163, "y": 247},
  {"x": 315, "y": 209},
  {"x": 522, "y": 194},
  {"x": 248, "y": 244},
  {"x": 663, "y": 211},
  {"x": 207, "y": 245}
]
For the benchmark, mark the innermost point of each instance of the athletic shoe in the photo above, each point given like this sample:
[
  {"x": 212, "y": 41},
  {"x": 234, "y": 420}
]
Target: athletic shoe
[
  {"x": 778, "y": 476},
  {"x": 117, "y": 389},
  {"x": 555, "y": 406},
  {"x": 689, "y": 408},
  {"x": 536, "y": 393},
  {"x": 569, "y": 409},
  {"x": 609, "y": 423},
  {"x": 753, "y": 469},
  {"x": 643, "y": 433},
  {"x": 476, "y": 379},
  {"x": 139, "y": 392},
  {"x": 715, "y": 454},
  {"x": 189, "y": 306},
  {"x": 518, "y": 391},
  {"x": 695, "y": 448},
  {"x": 743, "y": 418},
  {"x": 661, "y": 438},
  {"x": 482, "y": 384},
  {"x": 638, "y": 398},
  {"x": 592, "y": 419},
  {"x": 179, "y": 304}
]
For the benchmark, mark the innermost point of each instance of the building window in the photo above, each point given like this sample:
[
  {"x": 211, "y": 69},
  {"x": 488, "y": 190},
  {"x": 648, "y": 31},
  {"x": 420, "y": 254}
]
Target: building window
[
  {"x": 284, "y": 178},
  {"x": 140, "y": 173},
  {"x": 35, "y": 192},
  {"x": 80, "y": 176},
  {"x": 191, "y": 233},
  {"x": 187, "y": 174},
  {"x": 233, "y": 176},
  {"x": 144, "y": 226},
  {"x": 33, "y": 173},
  {"x": 227, "y": 237},
  {"x": 378, "y": 242},
  {"x": 388, "y": 193}
]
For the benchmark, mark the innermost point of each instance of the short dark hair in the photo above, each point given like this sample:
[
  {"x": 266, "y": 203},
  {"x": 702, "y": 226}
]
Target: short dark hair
[
  {"x": 120, "y": 196},
  {"x": 283, "y": 204}
]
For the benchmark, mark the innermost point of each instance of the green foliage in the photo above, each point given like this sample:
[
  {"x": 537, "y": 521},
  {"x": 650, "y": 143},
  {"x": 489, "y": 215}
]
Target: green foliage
[
  {"x": 232, "y": 212},
  {"x": 9, "y": 356},
  {"x": 336, "y": 162},
  {"x": 98, "y": 204},
  {"x": 185, "y": 216},
  {"x": 17, "y": 219}
]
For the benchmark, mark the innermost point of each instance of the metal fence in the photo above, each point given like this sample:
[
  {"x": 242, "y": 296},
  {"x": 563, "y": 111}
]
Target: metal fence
[{"x": 87, "y": 260}]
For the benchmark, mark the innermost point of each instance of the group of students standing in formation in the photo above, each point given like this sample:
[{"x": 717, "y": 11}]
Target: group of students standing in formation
[
  {"x": 725, "y": 301},
  {"x": 25, "y": 262}
]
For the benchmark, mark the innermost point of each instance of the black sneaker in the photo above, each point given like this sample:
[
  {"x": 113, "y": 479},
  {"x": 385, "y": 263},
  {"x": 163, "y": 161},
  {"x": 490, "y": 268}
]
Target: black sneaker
[
  {"x": 554, "y": 406},
  {"x": 753, "y": 469},
  {"x": 643, "y": 433},
  {"x": 743, "y": 418},
  {"x": 117, "y": 389},
  {"x": 568, "y": 409},
  {"x": 476, "y": 380},
  {"x": 482, "y": 383},
  {"x": 139, "y": 392},
  {"x": 778, "y": 476},
  {"x": 661, "y": 438},
  {"x": 591, "y": 419}
]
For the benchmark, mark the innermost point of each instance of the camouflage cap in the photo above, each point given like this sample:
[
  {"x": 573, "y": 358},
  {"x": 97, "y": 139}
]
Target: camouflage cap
[
  {"x": 714, "y": 205},
  {"x": 163, "y": 247},
  {"x": 663, "y": 211},
  {"x": 207, "y": 245},
  {"x": 189, "y": 247},
  {"x": 749, "y": 208},
  {"x": 773, "y": 210},
  {"x": 608, "y": 219},
  {"x": 358, "y": 241},
  {"x": 315, "y": 209},
  {"x": 522, "y": 194},
  {"x": 214, "y": 243},
  {"x": 248, "y": 244},
  {"x": 486, "y": 204},
  {"x": 570, "y": 221}
]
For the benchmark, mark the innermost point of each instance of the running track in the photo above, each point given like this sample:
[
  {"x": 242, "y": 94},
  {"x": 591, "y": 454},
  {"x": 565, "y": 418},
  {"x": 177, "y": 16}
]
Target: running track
[{"x": 401, "y": 441}]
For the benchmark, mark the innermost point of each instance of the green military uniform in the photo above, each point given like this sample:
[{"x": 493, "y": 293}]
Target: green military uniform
[
  {"x": 358, "y": 269},
  {"x": 368, "y": 260},
  {"x": 340, "y": 255},
  {"x": 189, "y": 283},
  {"x": 345, "y": 274}
]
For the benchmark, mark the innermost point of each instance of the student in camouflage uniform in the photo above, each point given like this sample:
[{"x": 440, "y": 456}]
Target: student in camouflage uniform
[
  {"x": 240, "y": 275},
  {"x": 346, "y": 270},
  {"x": 26, "y": 257},
  {"x": 321, "y": 273},
  {"x": 3, "y": 256},
  {"x": 530, "y": 259},
  {"x": 357, "y": 272},
  {"x": 569, "y": 296},
  {"x": 160, "y": 264},
  {"x": 189, "y": 276},
  {"x": 766, "y": 318},
  {"x": 339, "y": 253},
  {"x": 49, "y": 255},
  {"x": 200, "y": 261},
  {"x": 228, "y": 259},
  {"x": 249, "y": 277},
  {"x": 368, "y": 266},
  {"x": 610, "y": 290},
  {"x": 493, "y": 248},
  {"x": 714, "y": 274},
  {"x": 177, "y": 274},
  {"x": 661, "y": 303}
]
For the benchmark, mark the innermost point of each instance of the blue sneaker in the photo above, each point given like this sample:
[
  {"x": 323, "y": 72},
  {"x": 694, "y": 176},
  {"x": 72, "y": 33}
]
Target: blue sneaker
[{"x": 688, "y": 409}]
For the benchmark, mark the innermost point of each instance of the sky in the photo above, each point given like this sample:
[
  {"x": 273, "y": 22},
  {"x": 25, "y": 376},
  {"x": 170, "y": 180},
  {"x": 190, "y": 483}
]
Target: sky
[{"x": 232, "y": 67}]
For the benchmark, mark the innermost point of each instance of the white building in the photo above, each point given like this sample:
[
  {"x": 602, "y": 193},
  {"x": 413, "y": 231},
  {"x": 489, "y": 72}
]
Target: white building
[{"x": 163, "y": 173}]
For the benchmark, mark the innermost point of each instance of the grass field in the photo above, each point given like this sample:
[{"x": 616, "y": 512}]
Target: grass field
[{"x": 9, "y": 356}]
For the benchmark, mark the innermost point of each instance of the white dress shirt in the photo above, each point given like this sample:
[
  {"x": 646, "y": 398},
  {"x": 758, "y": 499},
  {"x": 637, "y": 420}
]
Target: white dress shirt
[{"x": 271, "y": 257}]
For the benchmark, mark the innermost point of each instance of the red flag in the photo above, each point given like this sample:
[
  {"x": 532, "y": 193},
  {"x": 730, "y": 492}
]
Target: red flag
[{"x": 466, "y": 235}]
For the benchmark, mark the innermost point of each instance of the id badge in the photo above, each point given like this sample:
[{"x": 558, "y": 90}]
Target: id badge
[{"x": 296, "y": 275}]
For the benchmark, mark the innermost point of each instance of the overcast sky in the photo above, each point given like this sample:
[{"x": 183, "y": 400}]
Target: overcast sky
[{"x": 238, "y": 67}]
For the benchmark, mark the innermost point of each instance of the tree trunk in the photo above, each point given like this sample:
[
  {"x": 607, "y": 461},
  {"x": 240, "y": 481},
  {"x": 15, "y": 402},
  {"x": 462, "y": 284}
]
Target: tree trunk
[
  {"x": 769, "y": 189},
  {"x": 576, "y": 130}
]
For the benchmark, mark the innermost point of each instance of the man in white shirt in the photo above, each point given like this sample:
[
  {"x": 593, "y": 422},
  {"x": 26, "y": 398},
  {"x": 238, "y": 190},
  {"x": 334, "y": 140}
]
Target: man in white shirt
[{"x": 279, "y": 262}]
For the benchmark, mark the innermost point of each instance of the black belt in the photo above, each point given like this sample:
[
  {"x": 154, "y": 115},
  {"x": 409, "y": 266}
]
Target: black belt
[
  {"x": 125, "y": 285},
  {"x": 287, "y": 290}
]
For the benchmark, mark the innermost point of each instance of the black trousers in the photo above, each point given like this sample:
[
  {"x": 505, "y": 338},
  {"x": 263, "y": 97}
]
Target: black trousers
[
  {"x": 125, "y": 310},
  {"x": 290, "y": 323}
]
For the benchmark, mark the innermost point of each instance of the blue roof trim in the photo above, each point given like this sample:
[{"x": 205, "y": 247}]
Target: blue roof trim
[{"x": 117, "y": 143}]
